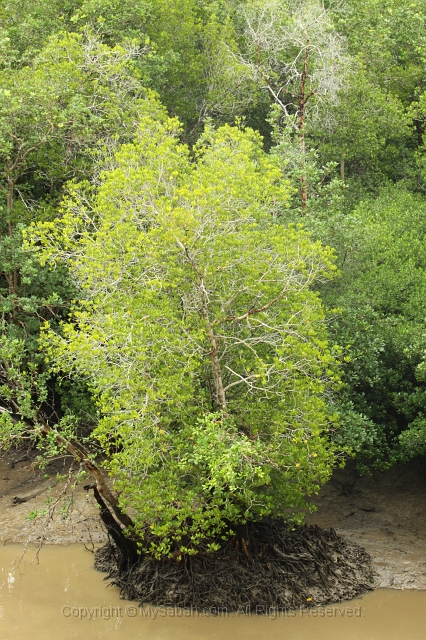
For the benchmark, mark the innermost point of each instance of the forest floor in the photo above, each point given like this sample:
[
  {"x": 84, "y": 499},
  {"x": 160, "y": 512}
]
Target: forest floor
[{"x": 385, "y": 513}]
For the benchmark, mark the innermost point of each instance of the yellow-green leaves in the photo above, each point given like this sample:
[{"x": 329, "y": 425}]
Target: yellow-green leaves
[{"x": 200, "y": 331}]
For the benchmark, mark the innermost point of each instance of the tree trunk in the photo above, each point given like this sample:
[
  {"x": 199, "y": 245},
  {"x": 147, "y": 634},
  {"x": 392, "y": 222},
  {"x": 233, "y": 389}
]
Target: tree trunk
[
  {"x": 9, "y": 204},
  {"x": 214, "y": 348},
  {"x": 128, "y": 548},
  {"x": 302, "y": 108},
  {"x": 217, "y": 372},
  {"x": 116, "y": 523},
  {"x": 303, "y": 185},
  {"x": 79, "y": 454}
]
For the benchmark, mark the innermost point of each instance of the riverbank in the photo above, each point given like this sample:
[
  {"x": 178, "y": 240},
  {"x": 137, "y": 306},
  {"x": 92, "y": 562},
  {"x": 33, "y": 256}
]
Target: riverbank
[
  {"x": 25, "y": 490},
  {"x": 384, "y": 512}
]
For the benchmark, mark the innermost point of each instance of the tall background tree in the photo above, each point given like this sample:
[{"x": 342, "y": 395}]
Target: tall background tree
[{"x": 296, "y": 54}]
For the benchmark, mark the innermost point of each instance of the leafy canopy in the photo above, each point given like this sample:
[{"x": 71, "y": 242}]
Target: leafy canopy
[{"x": 200, "y": 333}]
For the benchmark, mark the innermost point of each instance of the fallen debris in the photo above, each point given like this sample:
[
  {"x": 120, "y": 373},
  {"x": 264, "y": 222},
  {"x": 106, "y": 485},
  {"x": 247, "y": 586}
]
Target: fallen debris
[{"x": 32, "y": 494}]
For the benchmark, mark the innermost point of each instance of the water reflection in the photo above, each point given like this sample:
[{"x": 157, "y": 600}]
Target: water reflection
[{"x": 64, "y": 598}]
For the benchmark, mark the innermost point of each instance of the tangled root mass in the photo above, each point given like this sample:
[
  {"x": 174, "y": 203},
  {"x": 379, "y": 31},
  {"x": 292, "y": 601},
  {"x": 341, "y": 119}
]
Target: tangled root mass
[{"x": 284, "y": 569}]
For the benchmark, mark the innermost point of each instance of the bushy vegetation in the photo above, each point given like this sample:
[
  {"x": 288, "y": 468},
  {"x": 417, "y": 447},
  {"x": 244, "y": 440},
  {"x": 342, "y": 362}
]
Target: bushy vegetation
[{"x": 212, "y": 249}]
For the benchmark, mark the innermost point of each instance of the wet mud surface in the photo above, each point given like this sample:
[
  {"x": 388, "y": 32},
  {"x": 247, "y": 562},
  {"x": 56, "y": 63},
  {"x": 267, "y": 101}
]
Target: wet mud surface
[
  {"x": 25, "y": 490},
  {"x": 385, "y": 513}
]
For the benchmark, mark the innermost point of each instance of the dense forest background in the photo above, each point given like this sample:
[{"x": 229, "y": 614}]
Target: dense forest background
[{"x": 337, "y": 92}]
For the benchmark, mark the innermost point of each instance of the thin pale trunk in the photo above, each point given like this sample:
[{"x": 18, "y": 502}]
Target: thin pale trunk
[
  {"x": 9, "y": 204},
  {"x": 214, "y": 348},
  {"x": 302, "y": 109},
  {"x": 214, "y": 353},
  {"x": 303, "y": 185},
  {"x": 342, "y": 167},
  {"x": 13, "y": 277}
]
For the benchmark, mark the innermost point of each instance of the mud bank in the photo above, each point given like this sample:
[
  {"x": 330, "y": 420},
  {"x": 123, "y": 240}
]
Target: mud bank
[
  {"x": 25, "y": 490},
  {"x": 384, "y": 512}
]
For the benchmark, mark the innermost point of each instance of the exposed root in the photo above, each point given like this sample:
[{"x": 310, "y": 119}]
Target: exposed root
[{"x": 286, "y": 569}]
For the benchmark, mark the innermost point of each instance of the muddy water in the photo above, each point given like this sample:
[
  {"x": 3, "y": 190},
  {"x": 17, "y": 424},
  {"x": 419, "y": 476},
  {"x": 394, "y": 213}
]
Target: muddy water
[{"x": 63, "y": 597}]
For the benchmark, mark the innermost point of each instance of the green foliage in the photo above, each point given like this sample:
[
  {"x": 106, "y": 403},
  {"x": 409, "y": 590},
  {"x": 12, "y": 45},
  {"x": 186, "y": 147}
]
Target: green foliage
[
  {"x": 369, "y": 131},
  {"x": 381, "y": 324},
  {"x": 20, "y": 382},
  {"x": 390, "y": 37},
  {"x": 37, "y": 294},
  {"x": 386, "y": 39},
  {"x": 190, "y": 44},
  {"x": 26, "y": 25},
  {"x": 57, "y": 118},
  {"x": 202, "y": 338},
  {"x": 325, "y": 190},
  {"x": 176, "y": 287},
  {"x": 185, "y": 44},
  {"x": 54, "y": 112}
]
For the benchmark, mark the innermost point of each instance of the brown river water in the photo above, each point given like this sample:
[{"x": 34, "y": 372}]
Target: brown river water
[{"x": 62, "y": 597}]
